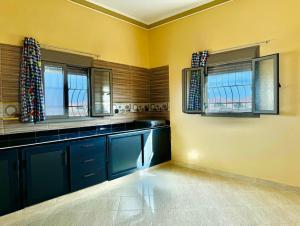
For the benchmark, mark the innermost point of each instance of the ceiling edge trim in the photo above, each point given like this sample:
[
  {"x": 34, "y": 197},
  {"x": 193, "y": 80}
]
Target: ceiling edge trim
[{"x": 155, "y": 24}]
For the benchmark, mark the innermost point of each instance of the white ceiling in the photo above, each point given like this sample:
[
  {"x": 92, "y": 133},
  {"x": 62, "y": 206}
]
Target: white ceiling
[{"x": 149, "y": 11}]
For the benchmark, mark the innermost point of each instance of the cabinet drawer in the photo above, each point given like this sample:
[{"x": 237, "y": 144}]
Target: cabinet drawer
[
  {"x": 88, "y": 162},
  {"x": 88, "y": 145},
  {"x": 84, "y": 151},
  {"x": 87, "y": 178}
]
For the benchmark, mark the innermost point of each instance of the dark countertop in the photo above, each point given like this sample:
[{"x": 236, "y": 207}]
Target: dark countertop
[{"x": 41, "y": 137}]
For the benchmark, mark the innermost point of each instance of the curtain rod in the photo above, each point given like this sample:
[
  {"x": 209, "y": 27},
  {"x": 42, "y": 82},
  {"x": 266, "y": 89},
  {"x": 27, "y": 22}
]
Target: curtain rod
[
  {"x": 51, "y": 47},
  {"x": 240, "y": 47}
]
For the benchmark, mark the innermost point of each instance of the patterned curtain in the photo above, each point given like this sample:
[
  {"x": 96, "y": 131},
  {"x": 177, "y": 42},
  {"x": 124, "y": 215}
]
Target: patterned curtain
[
  {"x": 31, "y": 86},
  {"x": 198, "y": 60}
]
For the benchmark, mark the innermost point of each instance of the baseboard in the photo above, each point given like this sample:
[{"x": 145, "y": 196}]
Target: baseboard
[{"x": 253, "y": 180}]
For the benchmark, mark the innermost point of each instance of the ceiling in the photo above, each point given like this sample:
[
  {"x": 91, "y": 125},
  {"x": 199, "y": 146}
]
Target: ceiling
[{"x": 149, "y": 11}]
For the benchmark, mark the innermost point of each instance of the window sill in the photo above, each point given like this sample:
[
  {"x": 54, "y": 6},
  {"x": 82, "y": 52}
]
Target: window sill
[{"x": 232, "y": 115}]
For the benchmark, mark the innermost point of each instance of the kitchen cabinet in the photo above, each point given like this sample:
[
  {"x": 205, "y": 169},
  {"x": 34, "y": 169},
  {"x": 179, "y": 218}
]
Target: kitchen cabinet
[
  {"x": 9, "y": 177},
  {"x": 157, "y": 146},
  {"x": 46, "y": 173},
  {"x": 88, "y": 162},
  {"x": 125, "y": 154},
  {"x": 36, "y": 173}
]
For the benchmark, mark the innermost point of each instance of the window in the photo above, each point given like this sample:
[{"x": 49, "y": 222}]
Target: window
[
  {"x": 239, "y": 88},
  {"x": 229, "y": 88},
  {"x": 77, "y": 92},
  {"x": 54, "y": 90},
  {"x": 66, "y": 91},
  {"x": 101, "y": 98}
]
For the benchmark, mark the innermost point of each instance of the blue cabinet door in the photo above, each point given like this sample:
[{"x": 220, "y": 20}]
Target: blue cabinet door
[
  {"x": 9, "y": 182},
  {"x": 46, "y": 172},
  {"x": 157, "y": 147},
  {"x": 125, "y": 154},
  {"x": 88, "y": 162}
]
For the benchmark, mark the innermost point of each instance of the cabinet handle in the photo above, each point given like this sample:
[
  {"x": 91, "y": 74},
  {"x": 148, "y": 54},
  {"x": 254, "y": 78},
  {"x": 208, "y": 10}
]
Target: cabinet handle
[
  {"x": 88, "y": 160},
  {"x": 88, "y": 175}
]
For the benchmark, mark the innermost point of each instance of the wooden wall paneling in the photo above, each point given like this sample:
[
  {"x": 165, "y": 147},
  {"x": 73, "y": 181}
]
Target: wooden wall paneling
[
  {"x": 159, "y": 84},
  {"x": 121, "y": 87},
  {"x": 10, "y": 73},
  {"x": 140, "y": 85},
  {"x": 10, "y": 59},
  {"x": 160, "y": 115},
  {"x": 121, "y": 80},
  {"x": 130, "y": 85},
  {"x": 100, "y": 64},
  {"x": 121, "y": 83}
]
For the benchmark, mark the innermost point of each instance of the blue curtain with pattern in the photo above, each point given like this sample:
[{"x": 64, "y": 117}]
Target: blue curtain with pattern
[
  {"x": 198, "y": 60},
  {"x": 31, "y": 86}
]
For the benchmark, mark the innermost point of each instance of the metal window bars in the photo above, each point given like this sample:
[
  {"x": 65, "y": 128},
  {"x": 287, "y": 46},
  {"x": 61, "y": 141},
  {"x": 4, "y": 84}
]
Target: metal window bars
[
  {"x": 229, "y": 88},
  {"x": 77, "y": 93}
]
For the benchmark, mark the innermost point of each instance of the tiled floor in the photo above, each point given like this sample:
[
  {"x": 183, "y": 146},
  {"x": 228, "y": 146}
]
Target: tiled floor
[{"x": 167, "y": 195}]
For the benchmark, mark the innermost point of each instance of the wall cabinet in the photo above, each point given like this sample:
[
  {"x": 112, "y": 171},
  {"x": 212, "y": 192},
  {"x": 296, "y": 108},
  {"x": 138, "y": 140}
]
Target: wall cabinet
[
  {"x": 45, "y": 172},
  {"x": 9, "y": 182},
  {"x": 88, "y": 162},
  {"x": 124, "y": 154}
]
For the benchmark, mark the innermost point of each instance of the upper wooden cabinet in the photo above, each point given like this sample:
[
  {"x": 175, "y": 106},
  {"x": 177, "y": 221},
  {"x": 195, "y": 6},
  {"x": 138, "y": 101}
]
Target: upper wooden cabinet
[{"x": 101, "y": 92}]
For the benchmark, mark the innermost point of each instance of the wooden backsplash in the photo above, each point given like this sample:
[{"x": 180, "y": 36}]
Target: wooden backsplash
[{"x": 130, "y": 85}]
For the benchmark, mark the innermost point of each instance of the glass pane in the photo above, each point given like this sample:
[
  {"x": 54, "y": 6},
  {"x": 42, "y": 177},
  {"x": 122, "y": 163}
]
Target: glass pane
[
  {"x": 229, "y": 89},
  {"x": 78, "y": 93},
  {"x": 54, "y": 90},
  {"x": 102, "y": 92},
  {"x": 264, "y": 85},
  {"x": 193, "y": 90}
]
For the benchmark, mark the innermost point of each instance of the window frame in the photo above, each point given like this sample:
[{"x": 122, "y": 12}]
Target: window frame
[
  {"x": 254, "y": 113},
  {"x": 276, "y": 84},
  {"x": 92, "y": 93},
  {"x": 184, "y": 90},
  {"x": 66, "y": 93}
]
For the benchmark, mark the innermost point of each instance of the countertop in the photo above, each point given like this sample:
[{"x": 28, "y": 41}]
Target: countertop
[{"x": 51, "y": 136}]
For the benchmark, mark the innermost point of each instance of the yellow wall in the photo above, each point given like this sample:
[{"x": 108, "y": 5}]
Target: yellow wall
[
  {"x": 65, "y": 24},
  {"x": 268, "y": 147}
]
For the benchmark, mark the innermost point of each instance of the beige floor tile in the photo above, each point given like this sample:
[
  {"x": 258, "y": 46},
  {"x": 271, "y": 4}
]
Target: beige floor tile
[
  {"x": 134, "y": 203},
  {"x": 133, "y": 217},
  {"x": 167, "y": 195},
  {"x": 127, "y": 190}
]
